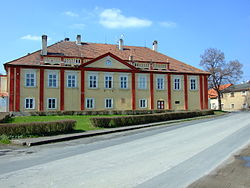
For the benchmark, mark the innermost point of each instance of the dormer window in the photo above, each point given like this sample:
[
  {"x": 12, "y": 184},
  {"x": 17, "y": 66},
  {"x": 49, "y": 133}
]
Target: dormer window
[{"x": 72, "y": 61}]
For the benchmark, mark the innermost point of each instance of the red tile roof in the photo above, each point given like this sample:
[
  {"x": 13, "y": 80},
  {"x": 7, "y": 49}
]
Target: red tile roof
[
  {"x": 212, "y": 94},
  {"x": 93, "y": 50},
  {"x": 4, "y": 94}
]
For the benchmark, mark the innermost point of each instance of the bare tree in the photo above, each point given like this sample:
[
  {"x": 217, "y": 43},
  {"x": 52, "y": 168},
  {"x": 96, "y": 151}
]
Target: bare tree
[{"x": 213, "y": 61}]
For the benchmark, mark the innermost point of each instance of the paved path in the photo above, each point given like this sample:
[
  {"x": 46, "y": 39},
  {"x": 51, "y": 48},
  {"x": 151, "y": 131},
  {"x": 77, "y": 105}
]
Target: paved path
[{"x": 160, "y": 157}]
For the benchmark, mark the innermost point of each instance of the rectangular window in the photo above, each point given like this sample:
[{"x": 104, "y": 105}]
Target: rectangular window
[
  {"x": 53, "y": 80},
  {"x": 108, "y": 103},
  {"x": 232, "y": 94},
  {"x": 193, "y": 85},
  {"x": 142, "y": 82},
  {"x": 232, "y": 106},
  {"x": 29, "y": 103},
  {"x": 51, "y": 103},
  {"x": 143, "y": 103},
  {"x": 177, "y": 83},
  {"x": 124, "y": 82},
  {"x": 93, "y": 78},
  {"x": 108, "y": 81},
  {"x": 243, "y": 93},
  {"x": 30, "y": 79},
  {"x": 160, "y": 83},
  {"x": 71, "y": 80},
  {"x": 90, "y": 103},
  {"x": 160, "y": 104}
]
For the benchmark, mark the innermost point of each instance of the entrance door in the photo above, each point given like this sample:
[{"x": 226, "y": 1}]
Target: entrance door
[{"x": 160, "y": 104}]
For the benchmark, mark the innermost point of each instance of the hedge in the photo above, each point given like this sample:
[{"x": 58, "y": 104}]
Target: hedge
[
  {"x": 37, "y": 128},
  {"x": 108, "y": 122},
  {"x": 92, "y": 112}
]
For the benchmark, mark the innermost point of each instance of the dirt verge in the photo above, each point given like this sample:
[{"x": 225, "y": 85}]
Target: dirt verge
[{"x": 235, "y": 173}]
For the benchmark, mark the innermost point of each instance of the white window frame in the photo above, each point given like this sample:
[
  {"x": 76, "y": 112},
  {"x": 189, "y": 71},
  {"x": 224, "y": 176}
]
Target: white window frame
[
  {"x": 96, "y": 81},
  {"x": 142, "y": 81},
  {"x": 29, "y": 98},
  {"x": 55, "y": 103},
  {"x": 106, "y": 103},
  {"x": 57, "y": 75},
  {"x": 174, "y": 82},
  {"x": 146, "y": 103},
  {"x": 243, "y": 93},
  {"x": 161, "y": 84},
  {"x": 71, "y": 74},
  {"x": 112, "y": 81},
  {"x": 30, "y": 72},
  {"x": 93, "y": 103},
  {"x": 122, "y": 81},
  {"x": 195, "y": 83},
  {"x": 232, "y": 105}
]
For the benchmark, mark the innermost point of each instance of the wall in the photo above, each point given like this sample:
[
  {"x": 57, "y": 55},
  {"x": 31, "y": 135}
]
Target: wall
[
  {"x": 121, "y": 97},
  {"x": 238, "y": 100}
]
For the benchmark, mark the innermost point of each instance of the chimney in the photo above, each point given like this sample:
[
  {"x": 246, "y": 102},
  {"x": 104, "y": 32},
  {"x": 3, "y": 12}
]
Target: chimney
[
  {"x": 78, "y": 39},
  {"x": 130, "y": 58},
  {"x": 155, "y": 46},
  {"x": 44, "y": 45},
  {"x": 120, "y": 44}
]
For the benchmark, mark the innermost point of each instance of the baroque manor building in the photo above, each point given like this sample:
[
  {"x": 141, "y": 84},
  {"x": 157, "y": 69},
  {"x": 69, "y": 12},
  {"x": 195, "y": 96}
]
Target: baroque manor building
[{"x": 75, "y": 75}]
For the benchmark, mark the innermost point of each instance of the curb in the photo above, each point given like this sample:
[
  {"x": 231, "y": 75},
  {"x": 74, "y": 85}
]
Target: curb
[{"x": 59, "y": 138}]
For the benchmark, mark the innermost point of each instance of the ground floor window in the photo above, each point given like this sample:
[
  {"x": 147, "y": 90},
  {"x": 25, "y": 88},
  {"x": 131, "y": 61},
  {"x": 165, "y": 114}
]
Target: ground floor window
[
  {"x": 90, "y": 103},
  {"x": 160, "y": 104},
  {"x": 108, "y": 103},
  {"x": 29, "y": 103},
  {"x": 143, "y": 103},
  {"x": 232, "y": 106},
  {"x": 51, "y": 103}
]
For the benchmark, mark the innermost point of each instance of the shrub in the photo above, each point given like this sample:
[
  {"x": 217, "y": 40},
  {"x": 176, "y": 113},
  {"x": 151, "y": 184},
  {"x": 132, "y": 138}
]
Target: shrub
[
  {"x": 120, "y": 121},
  {"x": 4, "y": 139},
  {"x": 37, "y": 128},
  {"x": 4, "y": 117}
]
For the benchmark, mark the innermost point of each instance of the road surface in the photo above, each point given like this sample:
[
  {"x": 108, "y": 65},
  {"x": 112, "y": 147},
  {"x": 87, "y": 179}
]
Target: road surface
[{"x": 154, "y": 157}]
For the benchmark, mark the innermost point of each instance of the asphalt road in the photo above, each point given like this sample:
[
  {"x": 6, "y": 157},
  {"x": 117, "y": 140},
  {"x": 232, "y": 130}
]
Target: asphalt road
[{"x": 153, "y": 157}]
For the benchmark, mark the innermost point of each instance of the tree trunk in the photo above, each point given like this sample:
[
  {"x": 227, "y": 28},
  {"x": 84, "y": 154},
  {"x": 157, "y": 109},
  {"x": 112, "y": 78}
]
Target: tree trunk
[{"x": 219, "y": 101}]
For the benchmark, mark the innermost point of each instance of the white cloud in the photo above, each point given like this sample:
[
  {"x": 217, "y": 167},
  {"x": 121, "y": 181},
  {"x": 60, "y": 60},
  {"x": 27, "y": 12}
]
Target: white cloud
[
  {"x": 71, "y": 14},
  {"x": 168, "y": 24},
  {"x": 77, "y": 26},
  {"x": 113, "y": 19},
  {"x": 33, "y": 37}
]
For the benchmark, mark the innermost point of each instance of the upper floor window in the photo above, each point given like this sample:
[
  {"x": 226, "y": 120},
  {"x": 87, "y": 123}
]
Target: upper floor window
[
  {"x": 177, "y": 83},
  {"x": 243, "y": 92},
  {"x": 92, "y": 80},
  {"x": 193, "y": 84},
  {"x": 160, "y": 83},
  {"x": 142, "y": 82},
  {"x": 53, "y": 79},
  {"x": 29, "y": 103},
  {"x": 71, "y": 80},
  {"x": 30, "y": 79},
  {"x": 108, "y": 81},
  {"x": 232, "y": 94},
  {"x": 124, "y": 82}
]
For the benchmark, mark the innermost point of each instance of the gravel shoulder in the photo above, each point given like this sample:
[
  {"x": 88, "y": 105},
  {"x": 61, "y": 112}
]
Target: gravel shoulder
[{"x": 234, "y": 173}]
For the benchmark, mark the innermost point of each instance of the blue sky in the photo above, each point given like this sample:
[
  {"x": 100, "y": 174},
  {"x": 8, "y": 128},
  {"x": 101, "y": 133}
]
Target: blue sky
[{"x": 184, "y": 29}]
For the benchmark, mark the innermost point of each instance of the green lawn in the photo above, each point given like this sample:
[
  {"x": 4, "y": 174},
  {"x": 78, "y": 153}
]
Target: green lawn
[{"x": 83, "y": 122}]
